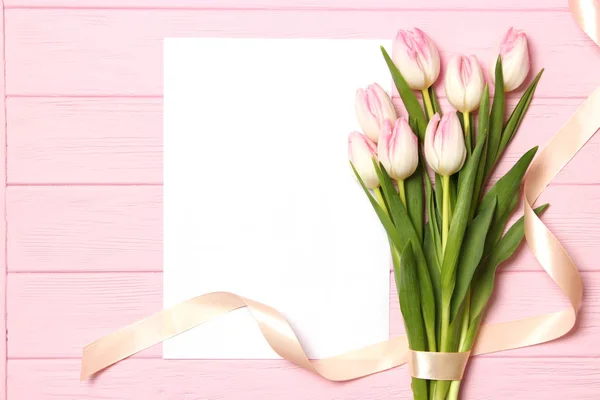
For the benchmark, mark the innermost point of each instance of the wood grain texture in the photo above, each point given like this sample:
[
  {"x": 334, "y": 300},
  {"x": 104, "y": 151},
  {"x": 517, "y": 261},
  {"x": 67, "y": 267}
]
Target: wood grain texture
[
  {"x": 45, "y": 322},
  {"x": 487, "y": 378},
  {"x": 3, "y": 295},
  {"x": 102, "y": 228},
  {"x": 119, "y": 140},
  {"x": 96, "y": 52},
  {"x": 294, "y": 4},
  {"x": 119, "y": 228},
  {"x": 76, "y": 140}
]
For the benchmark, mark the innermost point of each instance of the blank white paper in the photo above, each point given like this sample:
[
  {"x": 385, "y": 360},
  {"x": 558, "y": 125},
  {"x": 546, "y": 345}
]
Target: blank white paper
[{"x": 259, "y": 197}]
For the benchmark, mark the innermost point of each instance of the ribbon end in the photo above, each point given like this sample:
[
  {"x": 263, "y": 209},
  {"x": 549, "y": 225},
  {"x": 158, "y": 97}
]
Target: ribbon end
[{"x": 83, "y": 376}]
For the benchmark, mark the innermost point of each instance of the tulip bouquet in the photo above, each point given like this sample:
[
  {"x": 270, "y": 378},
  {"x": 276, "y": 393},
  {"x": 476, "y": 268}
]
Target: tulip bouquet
[{"x": 447, "y": 236}]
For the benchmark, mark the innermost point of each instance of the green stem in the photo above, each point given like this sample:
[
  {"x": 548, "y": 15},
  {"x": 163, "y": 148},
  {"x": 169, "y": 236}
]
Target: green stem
[
  {"x": 402, "y": 191},
  {"x": 427, "y": 102},
  {"x": 466, "y": 344},
  {"x": 441, "y": 388},
  {"x": 445, "y": 325},
  {"x": 445, "y": 320},
  {"x": 465, "y": 322},
  {"x": 454, "y": 390},
  {"x": 432, "y": 385},
  {"x": 467, "y": 123},
  {"x": 445, "y": 210},
  {"x": 379, "y": 197}
]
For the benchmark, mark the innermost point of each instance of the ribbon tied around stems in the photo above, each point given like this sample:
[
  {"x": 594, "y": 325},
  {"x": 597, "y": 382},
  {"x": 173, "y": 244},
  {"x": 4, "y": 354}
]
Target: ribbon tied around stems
[{"x": 394, "y": 352}]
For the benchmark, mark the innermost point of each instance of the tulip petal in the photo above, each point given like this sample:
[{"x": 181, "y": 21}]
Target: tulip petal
[
  {"x": 417, "y": 58},
  {"x": 361, "y": 152}
]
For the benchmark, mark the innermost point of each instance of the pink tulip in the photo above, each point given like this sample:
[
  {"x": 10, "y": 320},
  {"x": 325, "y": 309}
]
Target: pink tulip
[
  {"x": 373, "y": 106},
  {"x": 361, "y": 151},
  {"x": 515, "y": 59},
  {"x": 464, "y": 83},
  {"x": 417, "y": 58},
  {"x": 444, "y": 145},
  {"x": 398, "y": 149}
]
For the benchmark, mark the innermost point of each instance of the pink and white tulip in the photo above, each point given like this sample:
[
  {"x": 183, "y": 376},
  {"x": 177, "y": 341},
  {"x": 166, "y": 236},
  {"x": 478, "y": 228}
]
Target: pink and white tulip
[
  {"x": 464, "y": 83},
  {"x": 444, "y": 145},
  {"x": 361, "y": 151},
  {"x": 515, "y": 59},
  {"x": 417, "y": 58},
  {"x": 398, "y": 149},
  {"x": 373, "y": 106}
]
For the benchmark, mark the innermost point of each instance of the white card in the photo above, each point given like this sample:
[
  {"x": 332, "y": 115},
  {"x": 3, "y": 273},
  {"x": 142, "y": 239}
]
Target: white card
[{"x": 259, "y": 197}]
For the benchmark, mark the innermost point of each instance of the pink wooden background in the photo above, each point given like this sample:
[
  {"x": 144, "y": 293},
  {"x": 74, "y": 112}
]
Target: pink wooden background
[{"x": 83, "y": 256}]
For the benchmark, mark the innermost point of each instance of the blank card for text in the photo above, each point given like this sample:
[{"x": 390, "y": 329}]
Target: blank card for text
[{"x": 259, "y": 197}]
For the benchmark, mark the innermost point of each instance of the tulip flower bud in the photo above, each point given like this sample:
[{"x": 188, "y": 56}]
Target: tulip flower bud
[
  {"x": 464, "y": 83},
  {"x": 444, "y": 145},
  {"x": 515, "y": 59},
  {"x": 417, "y": 58},
  {"x": 361, "y": 151},
  {"x": 398, "y": 149},
  {"x": 373, "y": 106}
]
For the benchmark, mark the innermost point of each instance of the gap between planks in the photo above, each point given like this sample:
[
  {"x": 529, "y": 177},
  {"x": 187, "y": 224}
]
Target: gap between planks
[
  {"x": 284, "y": 8},
  {"x": 439, "y": 5},
  {"x": 157, "y": 184},
  {"x": 3, "y": 226},
  {"x": 91, "y": 96}
]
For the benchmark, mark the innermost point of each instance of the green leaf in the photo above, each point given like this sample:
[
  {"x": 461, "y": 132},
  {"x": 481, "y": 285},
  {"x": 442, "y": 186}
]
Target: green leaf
[
  {"x": 458, "y": 226},
  {"x": 387, "y": 223},
  {"x": 434, "y": 271},
  {"x": 391, "y": 197},
  {"x": 505, "y": 191},
  {"x": 496, "y": 120},
  {"x": 435, "y": 231},
  {"x": 407, "y": 281},
  {"x": 510, "y": 183},
  {"x": 517, "y": 115},
  {"x": 406, "y": 232},
  {"x": 470, "y": 256},
  {"x": 459, "y": 221},
  {"x": 433, "y": 263},
  {"x": 397, "y": 210},
  {"x": 499, "y": 224},
  {"x": 415, "y": 199},
  {"x": 439, "y": 193},
  {"x": 453, "y": 192},
  {"x": 434, "y": 100},
  {"x": 467, "y": 135},
  {"x": 472, "y": 130},
  {"x": 411, "y": 103},
  {"x": 482, "y": 129},
  {"x": 483, "y": 282}
]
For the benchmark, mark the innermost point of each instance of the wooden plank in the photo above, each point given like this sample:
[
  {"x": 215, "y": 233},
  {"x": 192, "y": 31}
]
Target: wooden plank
[
  {"x": 101, "y": 228},
  {"x": 3, "y": 174},
  {"x": 72, "y": 310},
  {"x": 119, "y": 140},
  {"x": 76, "y": 309},
  {"x": 96, "y": 52},
  {"x": 119, "y": 228},
  {"x": 292, "y": 4},
  {"x": 77, "y": 140},
  {"x": 521, "y": 378}
]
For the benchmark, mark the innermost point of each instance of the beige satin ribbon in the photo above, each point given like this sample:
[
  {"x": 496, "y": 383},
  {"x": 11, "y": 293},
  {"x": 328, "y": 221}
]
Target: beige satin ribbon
[
  {"x": 442, "y": 366},
  {"x": 394, "y": 352}
]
